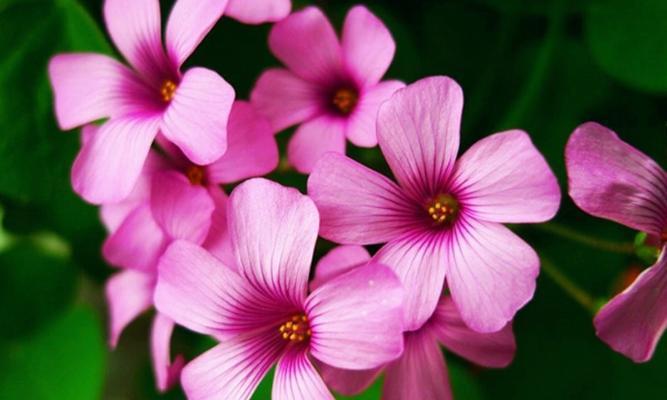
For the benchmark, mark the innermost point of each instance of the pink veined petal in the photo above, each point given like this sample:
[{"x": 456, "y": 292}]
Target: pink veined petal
[
  {"x": 286, "y": 99},
  {"x": 113, "y": 214},
  {"x": 418, "y": 132},
  {"x": 357, "y": 205},
  {"x": 137, "y": 243},
  {"x": 200, "y": 293},
  {"x": 135, "y": 28},
  {"x": 610, "y": 179},
  {"x": 368, "y": 47},
  {"x": 196, "y": 119},
  {"x": 348, "y": 382},
  {"x": 252, "y": 149},
  {"x": 128, "y": 293},
  {"x": 108, "y": 166},
  {"x": 88, "y": 87},
  {"x": 504, "y": 178},
  {"x": 633, "y": 321},
  {"x": 491, "y": 273},
  {"x": 273, "y": 230},
  {"x": 297, "y": 379},
  {"x": 258, "y": 11},
  {"x": 313, "y": 139},
  {"x": 218, "y": 242},
  {"x": 420, "y": 373},
  {"x": 167, "y": 374},
  {"x": 361, "y": 125},
  {"x": 189, "y": 22},
  {"x": 182, "y": 210},
  {"x": 234, "y": 368},
  {"x": 418, "y": 259},
  {"x": 491, "y": 350},
  {"x": 356, "y": 318},
  {"x": 307, "y": 44},
  {"x": 338, "y": 261}
]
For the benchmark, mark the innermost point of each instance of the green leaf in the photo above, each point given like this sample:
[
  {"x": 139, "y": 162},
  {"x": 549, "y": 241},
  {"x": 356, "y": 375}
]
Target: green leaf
[
  {"x": 66, "y": 360},
  {"x": 629, "y": 40},
  {"x": 35, "y": 287}
]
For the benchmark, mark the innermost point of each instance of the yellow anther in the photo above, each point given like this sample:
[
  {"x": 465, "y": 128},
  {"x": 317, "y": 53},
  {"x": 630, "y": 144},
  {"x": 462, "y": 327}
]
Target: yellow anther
[
  {"x": 167, "y": 90},
  {"x": 345, "y": 99},
  {"x": 443, "y": 209},
  {"x": 296, "y": 329}
]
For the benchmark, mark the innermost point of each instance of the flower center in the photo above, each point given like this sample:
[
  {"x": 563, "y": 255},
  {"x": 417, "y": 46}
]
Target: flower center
[
  {"x": 296, "y": 329},
  {"x": 443, "y": 209},
  {"x": 195, "y": 174},
  {"x": 344, "y": 100},
  {"x": 167, "y": 90}
]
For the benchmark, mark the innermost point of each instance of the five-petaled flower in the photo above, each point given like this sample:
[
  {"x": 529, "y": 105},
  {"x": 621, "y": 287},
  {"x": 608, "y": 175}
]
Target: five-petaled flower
[
  {"x": 420, "y": 372},
  {"x": 190, "y": 109},
  {"x": 610, "y": 179},
  {"x": 259, "y": 308},
  {"x": 331, "y": 88},
  {"x": 444, "y": 217},
  {"x": 174, "y": 199}
]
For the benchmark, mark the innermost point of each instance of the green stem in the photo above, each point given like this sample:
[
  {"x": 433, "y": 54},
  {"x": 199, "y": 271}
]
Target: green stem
[
  {"x": 571, "y": 234},
  {"x": 572, "y": 289}
]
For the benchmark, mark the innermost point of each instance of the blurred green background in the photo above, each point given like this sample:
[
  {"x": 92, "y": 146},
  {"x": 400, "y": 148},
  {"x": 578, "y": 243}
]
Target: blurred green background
[{"x": 543, "y": 66}]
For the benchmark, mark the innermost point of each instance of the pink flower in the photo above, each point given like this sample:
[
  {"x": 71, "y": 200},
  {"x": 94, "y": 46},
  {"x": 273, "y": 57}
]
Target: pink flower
[
  {"x": 610, "y": 179},
  {"x": 190, "y": 109},
  {"x": 174, "y": 199},
  {"x": 420, "y": 373},
  {"x": 258, "y": 11},
  {"x": 331, "y": 88},
  {"x": 259, "y": 308},
  {"x": 443, "y": 218}
]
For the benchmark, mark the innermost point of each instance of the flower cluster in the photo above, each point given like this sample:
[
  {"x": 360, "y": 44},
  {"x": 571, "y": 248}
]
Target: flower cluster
[{"x": 158, "y": 143}]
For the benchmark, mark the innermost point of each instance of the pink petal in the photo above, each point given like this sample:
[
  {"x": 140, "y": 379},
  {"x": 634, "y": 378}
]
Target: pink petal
[
  {"x": 418, "y": 132},
  {"x": 232, "y": 369},
  {"x": 108, "y": 166},
  {"x": 491, "y": 273},
  {"x": 252, "y": 149},
  {"x": 420, "y": 373},
  {"x": 188, "y": 24},
  {"x": 218, "y": 242},
  {"x": 198, "y": 292},
  {"x": 361, "y": 125},
  {"x": 610, "y": 179},
  {"x": 338, "y": 261},
  {"x": 128, "y": 293},
  {"x": 313, "y": 139},
  {"x": 368, "y": 47},
  {"x": 137, "y": 243},
  {"x": 135, "y": 28},
  {"x": 167, "y": 374},
  {"x": 418, "y": 259},
  {"x": 633, "y": 321},
  {"x": 258, "y": 11},
  {"x": 88, "y": 87},
  {"x": 297, "y": 379},
  {"x": 285, "y": 99},
  {"x": 504, "y": 178},
  {"x": 307, "y": 44},
  {"x": 273, "y": 230},
  {"x": 113, "y": 214},
  {"x": 492, "y": 350},
  {"x": 357, "y": 205},
  {"x": 196, "y": 119},
  {"x": 182, "y": 210},
  {"x": 348, "y": 382},
  {"x": 356, "y": 318}
]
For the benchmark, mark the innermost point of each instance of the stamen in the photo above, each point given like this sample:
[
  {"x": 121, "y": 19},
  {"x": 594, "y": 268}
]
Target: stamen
[
  {"x": 296, "y": 329},
  {"x": 443, "y": 209},
  {"x": 196, "y": 174},
  {"x": 167, "y": 90},
  {"x": 345, "y": 99}
]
